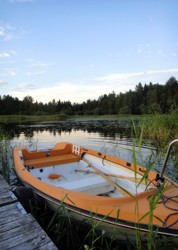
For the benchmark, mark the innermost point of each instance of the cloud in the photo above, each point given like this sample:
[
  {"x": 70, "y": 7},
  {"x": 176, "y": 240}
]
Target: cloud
[
  {"x": 119, "y": 76},
  {"x": 175, "y": 54},
  {"x": 12, "y": 73},
  {"x": 161, "y": 53},
  {"x": 4, "y": 55},
  {"x": 6, "y": 62},
  {"x": 91, "y": 65},
  {"x": 6, "y": 32},
  {"x": 64, "y": 91},
  {"x": 23, "y": 87},
  {"x": 9, "y": 32},
  {"x": 173, "y": 70},
  {"x": 40, "y": 64},
  {"x": 2, "y": 83},
  {"x": 122, "y": 82},
  {"x": 33, "y": 74},
  {"x": 139, "y": 51},
  {"x": 8, "y": 73},
  {"x": 130, "y": 76},
  {"x": 80, "y": 92},
  {"x": 7, "y": 54}
]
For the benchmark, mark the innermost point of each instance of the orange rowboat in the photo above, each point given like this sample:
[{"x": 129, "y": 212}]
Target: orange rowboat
[{"x": 120, "y": 196}]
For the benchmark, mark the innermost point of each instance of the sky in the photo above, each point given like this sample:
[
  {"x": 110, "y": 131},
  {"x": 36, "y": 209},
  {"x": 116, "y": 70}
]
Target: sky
[{"x": 76, "y": 50}]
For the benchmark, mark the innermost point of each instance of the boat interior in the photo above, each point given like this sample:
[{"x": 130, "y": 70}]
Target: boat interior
[{"x": 88, "y": 175}]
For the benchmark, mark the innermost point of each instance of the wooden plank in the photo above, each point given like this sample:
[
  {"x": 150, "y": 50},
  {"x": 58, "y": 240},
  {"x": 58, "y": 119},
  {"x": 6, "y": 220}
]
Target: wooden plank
[
  {"x": 16, "y": 223},
  {"x": 14, "y": 231},
  {"x": 29, "y": 245},
  {"x": 3, "y": 183},
  {"x": 48, "y": 246},
  {"x": 7, "y": 198},
  {"x": 11, "y": 210},
  {"x": 4, "y": 186},
  {"x": 8, "y": 208},
  {"x": 8, "y": 219},
  {"x": 19, "y": 230},
  {"x": 28, "y": 240}
]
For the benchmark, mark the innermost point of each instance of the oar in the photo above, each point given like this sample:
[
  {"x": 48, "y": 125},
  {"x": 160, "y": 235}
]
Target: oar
[
  {"x": 119, "y": 188},
  {"x": 111, "y": 175}
]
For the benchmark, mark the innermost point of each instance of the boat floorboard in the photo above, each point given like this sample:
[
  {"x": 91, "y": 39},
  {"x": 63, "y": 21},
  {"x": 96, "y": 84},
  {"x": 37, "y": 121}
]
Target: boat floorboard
[{"x": 18, "y": 229}]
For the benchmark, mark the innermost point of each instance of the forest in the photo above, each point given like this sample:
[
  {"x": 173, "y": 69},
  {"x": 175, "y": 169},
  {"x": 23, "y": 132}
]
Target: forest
[{"x": 145, "y": 99}]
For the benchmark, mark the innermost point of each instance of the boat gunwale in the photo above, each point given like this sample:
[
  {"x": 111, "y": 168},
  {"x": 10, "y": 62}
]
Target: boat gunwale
[{"x": 29, "y": 176}]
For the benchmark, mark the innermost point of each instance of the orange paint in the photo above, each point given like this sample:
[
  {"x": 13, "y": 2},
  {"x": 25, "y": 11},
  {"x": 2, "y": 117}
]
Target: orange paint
[{"x": 53, "y": 176}]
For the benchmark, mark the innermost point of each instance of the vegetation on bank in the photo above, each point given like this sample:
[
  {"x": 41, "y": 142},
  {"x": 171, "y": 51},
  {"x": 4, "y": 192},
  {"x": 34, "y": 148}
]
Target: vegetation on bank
[
  {"x": 145, "y": 99},
  {"x": 158, "y": 129},
  {"x": 31, "y": 118}
]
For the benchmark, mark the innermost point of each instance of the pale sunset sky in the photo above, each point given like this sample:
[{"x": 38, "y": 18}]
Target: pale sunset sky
[{"x": 75, "y": 50}]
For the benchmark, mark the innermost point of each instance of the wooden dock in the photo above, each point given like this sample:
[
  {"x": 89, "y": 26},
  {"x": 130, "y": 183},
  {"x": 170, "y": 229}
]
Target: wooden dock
[{"x": 18, "y": 229}]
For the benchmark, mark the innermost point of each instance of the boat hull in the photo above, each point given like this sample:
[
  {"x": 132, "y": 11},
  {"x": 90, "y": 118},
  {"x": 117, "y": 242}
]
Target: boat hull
[
  {"x": 121, "y": 209},
  {"x": 113, "y": 228},
  {"x": 105, "y": 225}
]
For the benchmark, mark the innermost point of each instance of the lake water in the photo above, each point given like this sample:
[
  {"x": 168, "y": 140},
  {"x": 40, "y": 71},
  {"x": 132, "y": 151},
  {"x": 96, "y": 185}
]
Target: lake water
[{"x": 113, "y": 137}]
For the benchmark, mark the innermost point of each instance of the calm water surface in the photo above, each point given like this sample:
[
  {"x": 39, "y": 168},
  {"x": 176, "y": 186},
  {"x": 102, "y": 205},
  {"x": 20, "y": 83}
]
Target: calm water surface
[
  {"x": 103, "y": 140},
  {"x": 111, "y": 137}
]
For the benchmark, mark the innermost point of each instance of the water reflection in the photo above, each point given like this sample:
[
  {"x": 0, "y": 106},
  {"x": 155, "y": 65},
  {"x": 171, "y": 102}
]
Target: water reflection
[
  {"x": 105, "y": 128},
  {"x": 109, "y": 136},
  {"x": 113, "y": 137}
]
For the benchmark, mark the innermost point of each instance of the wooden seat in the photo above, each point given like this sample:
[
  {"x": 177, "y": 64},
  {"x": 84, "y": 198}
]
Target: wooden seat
[{"x": 51, "y": 160}]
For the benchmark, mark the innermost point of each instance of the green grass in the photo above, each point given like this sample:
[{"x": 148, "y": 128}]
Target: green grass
[
  {"x": 31, "y": 118},
  {"x": 160, "y": 129},
  {"x": 5, "y": 154}
]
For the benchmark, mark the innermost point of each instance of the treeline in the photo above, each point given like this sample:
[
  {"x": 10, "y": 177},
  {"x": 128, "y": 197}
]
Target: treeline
[{"x": 145, "y": 99}]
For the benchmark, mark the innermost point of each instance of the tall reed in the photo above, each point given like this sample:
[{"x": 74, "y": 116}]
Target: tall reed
[
  {"x": 161, "y": 129},
  {"x": 5, "y": 154},
  {"x": 152, "y": 240}
]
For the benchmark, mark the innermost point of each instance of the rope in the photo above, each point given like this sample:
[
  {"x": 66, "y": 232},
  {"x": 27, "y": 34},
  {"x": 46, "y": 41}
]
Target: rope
[
  {"x": 151, "y": 182},
  {"x": 166, "y": 199},
  {"x": 164, "y": 224}
]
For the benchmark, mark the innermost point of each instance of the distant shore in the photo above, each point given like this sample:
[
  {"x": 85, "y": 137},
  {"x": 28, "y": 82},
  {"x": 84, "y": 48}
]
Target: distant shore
[{"x": 157, "y": 128}]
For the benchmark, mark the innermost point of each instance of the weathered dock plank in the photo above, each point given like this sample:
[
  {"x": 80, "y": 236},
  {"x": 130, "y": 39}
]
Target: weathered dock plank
[
  {"x": 16, "y": 223},
  {"x": 18, "y": 229},
  {"x": 26, "y": 237},
  {"x": 11, "y": 212},
  {"x": 14, "y": 231},
  {"x": 4, "y": 184},
  {"x": 6, "y": 196}
]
